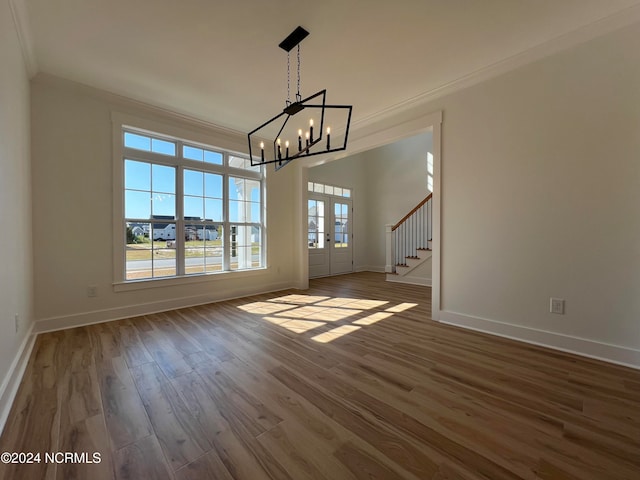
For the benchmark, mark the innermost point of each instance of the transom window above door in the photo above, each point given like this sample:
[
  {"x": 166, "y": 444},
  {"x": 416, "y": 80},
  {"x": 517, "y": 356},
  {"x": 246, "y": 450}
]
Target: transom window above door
[{"x": 333, "y": 190}]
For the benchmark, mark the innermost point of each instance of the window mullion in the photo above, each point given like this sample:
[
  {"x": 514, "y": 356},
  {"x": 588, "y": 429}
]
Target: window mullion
[
  {"x": 226, "y": 242},
  {"x": 180, "y": 233}
]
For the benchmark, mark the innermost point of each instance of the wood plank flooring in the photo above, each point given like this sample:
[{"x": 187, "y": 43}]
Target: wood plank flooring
[{"x": 348, "y": 380}]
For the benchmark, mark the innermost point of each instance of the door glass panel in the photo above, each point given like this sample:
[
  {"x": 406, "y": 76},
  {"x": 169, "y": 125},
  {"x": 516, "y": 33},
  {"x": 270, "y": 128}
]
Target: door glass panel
[
  {"x": 341, "y": 222},
  {"x": 315, "y": 218}
]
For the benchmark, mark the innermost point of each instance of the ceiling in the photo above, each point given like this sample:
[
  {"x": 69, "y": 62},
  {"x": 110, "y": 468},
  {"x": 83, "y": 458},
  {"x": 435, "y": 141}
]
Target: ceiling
[{"x": 219, "y": 61}]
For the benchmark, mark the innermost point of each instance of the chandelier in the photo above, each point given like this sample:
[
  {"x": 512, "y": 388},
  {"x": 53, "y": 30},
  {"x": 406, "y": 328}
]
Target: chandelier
[{"x": 305, "y": 127}]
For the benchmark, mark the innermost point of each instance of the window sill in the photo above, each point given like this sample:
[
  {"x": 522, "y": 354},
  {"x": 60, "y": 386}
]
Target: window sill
[{"x": 131, "y": 285}]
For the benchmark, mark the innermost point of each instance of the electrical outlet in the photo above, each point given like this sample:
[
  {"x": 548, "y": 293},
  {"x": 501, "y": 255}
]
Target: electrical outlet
[
  {"x": 556, "y": 305},
  {"x": 92, "y": 291},
  {"x": 17, "y": 322}
]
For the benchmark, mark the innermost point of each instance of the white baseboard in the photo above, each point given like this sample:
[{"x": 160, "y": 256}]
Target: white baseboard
[
  {"x": 117, "y": 313},
  {"x": 11, "y": 382},
  {"x": 628, "y": 357}
]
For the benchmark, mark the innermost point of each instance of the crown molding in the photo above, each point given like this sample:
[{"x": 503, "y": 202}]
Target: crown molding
[
  {"x": 138, "y": 107},
  {"x": 617, "y": 21},
  {"x": 25, "y": 37}
]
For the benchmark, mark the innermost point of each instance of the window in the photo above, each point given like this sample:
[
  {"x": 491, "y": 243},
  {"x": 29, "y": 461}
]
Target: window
[
  {"x": 188, "y": 209},
  {"x": 329, "y": 190}
]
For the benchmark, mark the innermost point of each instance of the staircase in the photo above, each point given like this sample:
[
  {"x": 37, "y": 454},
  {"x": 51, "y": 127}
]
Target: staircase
[{"x": 409, "y": 245}]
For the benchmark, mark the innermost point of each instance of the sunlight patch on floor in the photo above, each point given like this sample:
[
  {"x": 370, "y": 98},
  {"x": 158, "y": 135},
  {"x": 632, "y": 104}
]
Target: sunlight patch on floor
[
  {"x": 334, "y": 333},
  {"x": 320, "y": 313},
  {"x": 301, "y": 313},
  {"x": 293, "y": 325},
  {"x": 368, "y": 304},
  {"x": 265, "y": 307},
  {"x": 401, "y": 307},
  {"x": 337, "y": 302},
  {"x": 373, "y": 318},
  {"x": 298, "y": 299}
]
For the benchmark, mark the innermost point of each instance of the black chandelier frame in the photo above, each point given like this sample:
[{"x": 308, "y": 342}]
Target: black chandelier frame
[{"x": 317, "y": 101}]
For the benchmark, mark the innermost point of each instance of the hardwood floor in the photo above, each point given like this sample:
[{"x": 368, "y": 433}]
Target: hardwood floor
[{"x": 348, "y": 380}]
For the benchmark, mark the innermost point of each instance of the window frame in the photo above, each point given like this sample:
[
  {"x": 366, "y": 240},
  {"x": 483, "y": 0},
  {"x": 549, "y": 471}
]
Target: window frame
[{"x": 122, "y": 123}]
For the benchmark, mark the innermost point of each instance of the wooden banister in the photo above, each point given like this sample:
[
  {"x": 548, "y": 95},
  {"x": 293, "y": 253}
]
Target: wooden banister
[{"x": 428, "y": 197}]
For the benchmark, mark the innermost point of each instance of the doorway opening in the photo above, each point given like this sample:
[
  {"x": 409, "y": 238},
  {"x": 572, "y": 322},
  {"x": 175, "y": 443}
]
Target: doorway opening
[{"x": 370, "y": 201}]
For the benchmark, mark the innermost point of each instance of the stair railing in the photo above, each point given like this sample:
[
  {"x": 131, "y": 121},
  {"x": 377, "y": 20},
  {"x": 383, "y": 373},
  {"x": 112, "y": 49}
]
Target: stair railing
[{"x": 410, "y": 234}]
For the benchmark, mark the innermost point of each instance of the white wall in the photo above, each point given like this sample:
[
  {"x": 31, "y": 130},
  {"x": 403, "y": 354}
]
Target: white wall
[
  {"x": 540, "y": 196},
  {"x": 540, "y": 187},
  {"x": 73, "y": 200},
  {"x": 15, "y": 204}
]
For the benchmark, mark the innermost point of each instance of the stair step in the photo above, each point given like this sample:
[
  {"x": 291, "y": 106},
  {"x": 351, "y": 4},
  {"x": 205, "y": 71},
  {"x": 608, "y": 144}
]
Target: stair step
[{"x": 411, "y": 262}]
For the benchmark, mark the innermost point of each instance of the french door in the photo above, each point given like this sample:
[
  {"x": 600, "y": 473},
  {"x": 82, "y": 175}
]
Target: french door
[{"x": 329, "y": 221}]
